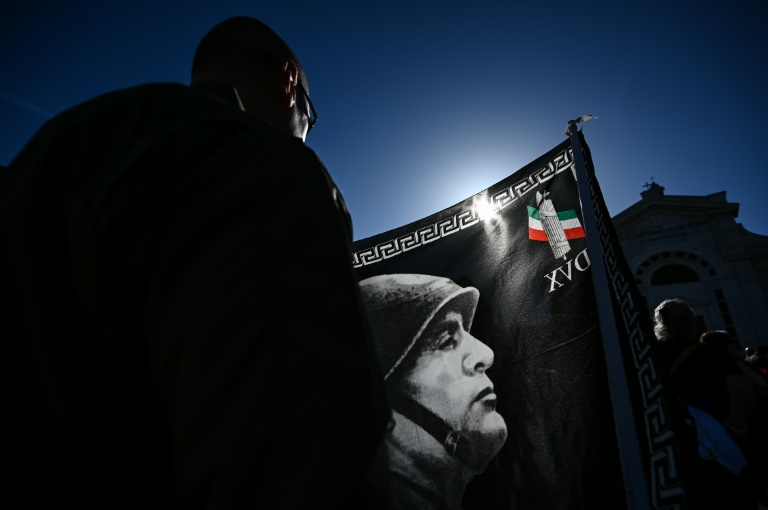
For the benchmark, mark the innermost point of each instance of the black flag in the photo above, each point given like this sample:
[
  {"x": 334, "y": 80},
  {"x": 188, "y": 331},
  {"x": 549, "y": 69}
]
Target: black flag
[{"x": 486, "y": 324}]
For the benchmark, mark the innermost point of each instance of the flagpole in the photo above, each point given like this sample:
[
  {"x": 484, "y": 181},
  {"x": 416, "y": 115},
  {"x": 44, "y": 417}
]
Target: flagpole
[{"x": 626, "y": 431}]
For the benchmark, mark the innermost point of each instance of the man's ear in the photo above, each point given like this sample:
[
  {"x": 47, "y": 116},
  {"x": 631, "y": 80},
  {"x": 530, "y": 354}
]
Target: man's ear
[{"x": 289, "y": 78}]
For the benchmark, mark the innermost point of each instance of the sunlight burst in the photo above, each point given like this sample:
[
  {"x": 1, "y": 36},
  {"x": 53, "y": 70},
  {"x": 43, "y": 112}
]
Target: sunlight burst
[{"x": 486, "y": 210}]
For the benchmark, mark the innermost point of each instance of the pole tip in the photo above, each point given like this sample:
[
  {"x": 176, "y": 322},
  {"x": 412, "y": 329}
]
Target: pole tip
[{"x": 571, "y": 126}]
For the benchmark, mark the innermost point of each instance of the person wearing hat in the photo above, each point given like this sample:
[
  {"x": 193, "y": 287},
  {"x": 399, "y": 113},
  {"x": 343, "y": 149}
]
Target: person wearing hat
[{"x": 445, "y": 427}]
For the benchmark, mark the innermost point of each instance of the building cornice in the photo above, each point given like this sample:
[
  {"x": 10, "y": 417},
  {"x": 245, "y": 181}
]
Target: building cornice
[{"x": 708, "y": 205}]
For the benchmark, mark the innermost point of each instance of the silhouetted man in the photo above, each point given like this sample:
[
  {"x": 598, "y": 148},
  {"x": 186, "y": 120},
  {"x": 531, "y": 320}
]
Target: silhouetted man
[{"x": 181, "y": 324}]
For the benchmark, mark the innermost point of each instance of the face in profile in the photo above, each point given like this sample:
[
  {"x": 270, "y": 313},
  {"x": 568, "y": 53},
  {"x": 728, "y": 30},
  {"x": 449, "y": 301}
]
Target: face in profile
[{"x": 449, "y": 378}]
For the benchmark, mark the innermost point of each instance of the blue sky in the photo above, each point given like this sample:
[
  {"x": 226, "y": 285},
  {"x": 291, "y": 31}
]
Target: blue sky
[{"x": 423, "y": 104}]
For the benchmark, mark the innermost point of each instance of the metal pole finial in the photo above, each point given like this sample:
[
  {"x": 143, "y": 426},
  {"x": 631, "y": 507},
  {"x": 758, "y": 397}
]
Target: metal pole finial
[{"x": 572, "y": 123}]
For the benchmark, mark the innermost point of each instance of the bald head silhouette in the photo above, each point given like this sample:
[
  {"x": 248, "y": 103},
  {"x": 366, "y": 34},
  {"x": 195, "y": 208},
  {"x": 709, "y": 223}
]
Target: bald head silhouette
[{"x": 246, "y": 54}]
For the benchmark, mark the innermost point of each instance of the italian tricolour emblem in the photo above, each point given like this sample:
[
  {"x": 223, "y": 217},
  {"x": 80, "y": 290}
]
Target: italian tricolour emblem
[{"x": 547, "y": 224}]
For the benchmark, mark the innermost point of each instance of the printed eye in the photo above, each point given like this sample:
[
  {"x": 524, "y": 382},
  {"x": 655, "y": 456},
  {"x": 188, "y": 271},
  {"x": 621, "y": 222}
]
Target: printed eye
[
  {"x": 444, "y": 336},
  {"x": 448, "y": 342}
]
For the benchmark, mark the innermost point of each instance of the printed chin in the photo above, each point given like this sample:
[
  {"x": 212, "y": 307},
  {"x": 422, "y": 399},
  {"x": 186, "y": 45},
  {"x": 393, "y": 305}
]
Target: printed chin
[
  {"x": 487, "y": 441},
  {"x": 497, "y": 431}
]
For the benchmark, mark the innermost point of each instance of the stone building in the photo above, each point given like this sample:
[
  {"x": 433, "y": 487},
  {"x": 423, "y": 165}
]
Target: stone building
[{"x": 691, "y": 247}]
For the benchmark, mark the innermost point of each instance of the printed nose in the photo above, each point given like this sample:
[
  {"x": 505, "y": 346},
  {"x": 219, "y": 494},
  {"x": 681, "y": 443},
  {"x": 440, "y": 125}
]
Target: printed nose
[{"x": 480, "y": 357}]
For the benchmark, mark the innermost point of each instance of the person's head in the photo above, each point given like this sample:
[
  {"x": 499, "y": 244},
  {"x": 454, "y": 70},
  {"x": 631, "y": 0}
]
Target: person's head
[
  {"x": 248, "y": 55},
  {"x": 720, "y": 339},
  {"x": 421, "y": 329},
  {"x": 673, "y": 319}
]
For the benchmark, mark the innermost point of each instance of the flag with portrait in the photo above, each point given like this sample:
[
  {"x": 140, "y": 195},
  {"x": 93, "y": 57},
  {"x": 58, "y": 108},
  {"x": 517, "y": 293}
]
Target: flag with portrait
[{"x": 489, "y": 306}]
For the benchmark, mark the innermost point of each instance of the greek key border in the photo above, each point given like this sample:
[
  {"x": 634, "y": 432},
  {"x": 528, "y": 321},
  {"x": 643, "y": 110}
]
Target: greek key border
[
  {"x": 465, "y": 218},
  {"x": 666, "y": 482}
]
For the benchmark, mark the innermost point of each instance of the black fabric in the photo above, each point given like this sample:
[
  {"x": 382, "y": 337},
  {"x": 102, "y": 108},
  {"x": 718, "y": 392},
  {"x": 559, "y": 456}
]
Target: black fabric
[
  {"x": 549, "y": 371},
  {"x": 665, "y": 430},
  {"x": 181, "y": 326},
  {"x": 537, "y": 312}
]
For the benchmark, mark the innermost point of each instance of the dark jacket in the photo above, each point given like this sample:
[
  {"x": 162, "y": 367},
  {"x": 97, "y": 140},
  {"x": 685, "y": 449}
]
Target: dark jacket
[
  {"x": 181, "y": 324},
  {"x": 699, "y": 374}
]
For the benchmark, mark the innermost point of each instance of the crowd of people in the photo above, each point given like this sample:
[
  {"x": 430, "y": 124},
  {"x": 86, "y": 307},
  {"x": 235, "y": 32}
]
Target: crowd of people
[{"x": 725, "y": 395}]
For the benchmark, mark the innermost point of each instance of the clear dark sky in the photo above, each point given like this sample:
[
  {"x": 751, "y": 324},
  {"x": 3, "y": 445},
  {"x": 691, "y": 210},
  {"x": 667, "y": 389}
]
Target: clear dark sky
[{"x": 423, "y": 104}]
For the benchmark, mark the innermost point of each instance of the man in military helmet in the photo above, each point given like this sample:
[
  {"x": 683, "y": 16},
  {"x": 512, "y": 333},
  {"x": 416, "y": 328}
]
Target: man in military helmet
[{"x": 445, "y": 427}]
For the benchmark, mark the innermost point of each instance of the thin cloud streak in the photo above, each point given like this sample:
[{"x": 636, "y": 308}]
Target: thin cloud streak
[{"x": 26, "y": 105}]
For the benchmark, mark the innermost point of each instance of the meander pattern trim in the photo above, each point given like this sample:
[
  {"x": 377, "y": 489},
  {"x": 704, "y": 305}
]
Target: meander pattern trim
[
  {"x": 466, "y": 218},
  {"x": 665, "y": 477}
]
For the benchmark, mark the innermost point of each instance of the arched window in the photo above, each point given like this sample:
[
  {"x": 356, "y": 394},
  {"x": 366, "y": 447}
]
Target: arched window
[
  {"x": 674, "y": 273},
  {"x": 671, "y": 257}
]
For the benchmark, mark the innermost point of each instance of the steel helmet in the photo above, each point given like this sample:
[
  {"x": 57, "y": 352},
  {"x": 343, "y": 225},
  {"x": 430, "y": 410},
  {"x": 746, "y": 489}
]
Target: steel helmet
[{"x": 401, "y": 306}]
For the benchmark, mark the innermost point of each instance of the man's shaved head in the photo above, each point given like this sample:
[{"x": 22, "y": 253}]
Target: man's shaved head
[
  {"x": 234, "y": 51},
  {"x": 246, "y": 54}
]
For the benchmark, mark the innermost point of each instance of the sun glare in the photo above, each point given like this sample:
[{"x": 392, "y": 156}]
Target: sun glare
[{"x": 486, "y": 210}]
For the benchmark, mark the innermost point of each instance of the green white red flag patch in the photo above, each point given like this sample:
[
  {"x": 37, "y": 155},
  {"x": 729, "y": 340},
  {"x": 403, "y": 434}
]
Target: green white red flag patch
[{"x": 568, "y": 219}]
